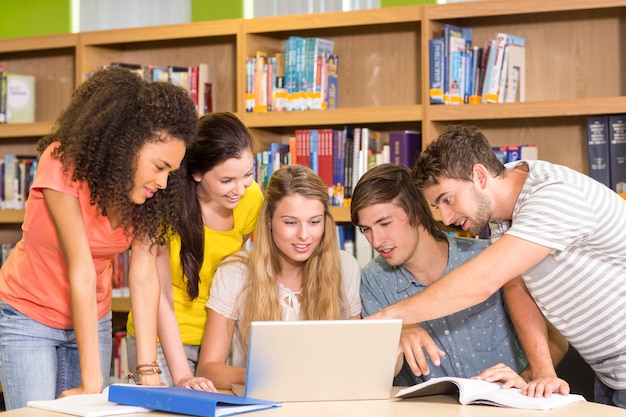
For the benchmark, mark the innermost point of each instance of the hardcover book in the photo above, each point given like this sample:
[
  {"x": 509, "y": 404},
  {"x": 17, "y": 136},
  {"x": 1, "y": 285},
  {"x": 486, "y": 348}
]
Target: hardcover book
[
  {"x": 617, "y": 152},
  {"x": 20, "y": 98},
  {"x": 435, "y": 49},
  {"x": 598, "y": 148},
  {"x": 473, "y": 391},
  {"x": 404, "y": 147},
  {"x": 185, "y": 401}
]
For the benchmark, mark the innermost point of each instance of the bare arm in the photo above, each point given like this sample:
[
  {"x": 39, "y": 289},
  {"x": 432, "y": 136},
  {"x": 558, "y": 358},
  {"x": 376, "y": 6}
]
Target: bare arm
[
  {"x": 216, "y": 343},
  {"x": 531, "y": 328},
  {"x": 67, "y": 218},
  {"x": 170, "y": 339},
  {"x": 143, "y": 281},
  {"x": 470, "y": 283}
]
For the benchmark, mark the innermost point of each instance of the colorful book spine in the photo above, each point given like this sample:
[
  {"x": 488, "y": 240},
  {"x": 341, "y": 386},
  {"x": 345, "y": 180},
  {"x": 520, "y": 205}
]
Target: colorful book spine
[{"x": 435, "y": 50}]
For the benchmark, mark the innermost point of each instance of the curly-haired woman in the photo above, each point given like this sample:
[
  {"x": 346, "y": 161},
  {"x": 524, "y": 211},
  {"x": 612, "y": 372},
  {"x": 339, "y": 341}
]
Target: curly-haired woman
[{"x": 106, "y": 181}]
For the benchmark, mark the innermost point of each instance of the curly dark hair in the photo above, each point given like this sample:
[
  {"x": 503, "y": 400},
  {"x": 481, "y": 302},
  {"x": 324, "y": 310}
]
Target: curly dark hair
[
  {"x": 221, "y": 136},
  {"x": 453, "y": 155},
  {"x": 111, "y": 116}
]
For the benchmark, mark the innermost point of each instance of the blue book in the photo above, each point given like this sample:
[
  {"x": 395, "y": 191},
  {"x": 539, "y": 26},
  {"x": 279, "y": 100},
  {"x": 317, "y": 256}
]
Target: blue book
[
  {"x": 185, "y": 401},
  {"x": 435, "y": 50}
]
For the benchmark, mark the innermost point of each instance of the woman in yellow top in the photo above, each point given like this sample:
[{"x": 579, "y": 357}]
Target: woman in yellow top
[{"x": 217, "y": 215}]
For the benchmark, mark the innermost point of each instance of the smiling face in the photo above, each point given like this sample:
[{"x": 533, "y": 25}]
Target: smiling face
[
  {"x": 387, "y": 228},
  {"x": 461, "y": 203},
  {"x": 297, "y": 227},
  {"x": 155, "y": 161},
  {"x": 226, "y": 183}
]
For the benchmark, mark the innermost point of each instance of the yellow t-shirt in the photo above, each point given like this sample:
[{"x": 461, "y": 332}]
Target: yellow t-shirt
[{"x": 191, "y": 314}]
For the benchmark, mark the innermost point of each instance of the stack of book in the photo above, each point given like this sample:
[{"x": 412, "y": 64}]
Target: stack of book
[
  {"x": 303, "y": 77},
  {"x": 199, "y": 80},
  {"x": 463, "y": 73}
]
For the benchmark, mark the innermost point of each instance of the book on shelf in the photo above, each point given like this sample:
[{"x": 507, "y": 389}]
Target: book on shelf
[
  {"x": 515, "y": 75},
  {"x": 473, "y": 391},
  {"x": 598, "y": 148},
  {"x": 436, "y": 70},
  {"x": 493, "y": 83},
  {"x": 332, "y": 82},
  {"x": 455, "y": 41},
  {"x": 279, "y": 99},
  {"x": 617, "y": 152},
  {"x": 18, "y": 173},
  {"x": 207, "y": 92},
  {"x": 179, "y": 76},
  {"x": 404, "y": 147},
  {"x": 19, "y": 97},
  {"x": 185, "y": 401}
]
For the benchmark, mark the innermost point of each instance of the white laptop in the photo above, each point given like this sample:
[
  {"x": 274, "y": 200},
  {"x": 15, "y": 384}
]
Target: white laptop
[{"x": 321, "y": 360}]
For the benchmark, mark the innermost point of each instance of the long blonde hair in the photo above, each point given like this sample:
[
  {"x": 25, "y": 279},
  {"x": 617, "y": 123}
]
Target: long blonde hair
[{"x": 322, "y": 290}]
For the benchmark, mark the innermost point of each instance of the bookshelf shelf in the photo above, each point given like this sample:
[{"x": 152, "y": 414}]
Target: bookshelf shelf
[
  {"x": 530, "y": 109},
  {"x": 24, "y": 130},
  {"x": 574, "y": 69},
  {"x": 342, "y": 116},
  {"x": 10, "y": 216},
  {"x": 120, "y": 304}
]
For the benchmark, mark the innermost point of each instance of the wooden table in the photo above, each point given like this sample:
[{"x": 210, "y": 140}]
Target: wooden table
[{"x": 437, "y": 406}]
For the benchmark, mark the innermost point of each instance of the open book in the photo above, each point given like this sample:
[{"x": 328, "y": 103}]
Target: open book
[{"x": 473, "y": 391}]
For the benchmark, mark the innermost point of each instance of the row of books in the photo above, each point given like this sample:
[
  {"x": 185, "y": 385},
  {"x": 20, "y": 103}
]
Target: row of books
[
  {"x": 119, "y": 358},
  {"x": 17, "y": 173},
  {"x": 17, "y": 97},
  {"x": 339, "y": 157},
  {"x": 5, "y": 251},
  {"x": 199, "y": 80},
  {"x": 606, "y": 136},
  {"x": 120, "y": 264},
  {"x": 303, "y": 77},
  {"x": 461, "y": 72},
  {"x": 511, "y": 153}
]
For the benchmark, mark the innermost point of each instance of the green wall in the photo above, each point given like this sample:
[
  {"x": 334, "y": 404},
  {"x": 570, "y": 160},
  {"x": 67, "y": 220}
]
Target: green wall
[
  {"x": 46, "y": 17},
  {"x": 216, "y": 10},
  {"x": 34, "y": 17}
]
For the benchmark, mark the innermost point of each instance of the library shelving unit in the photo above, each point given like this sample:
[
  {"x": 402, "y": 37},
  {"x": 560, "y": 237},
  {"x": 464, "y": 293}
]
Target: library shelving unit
[
  {"x": 379, "y": 71},
  {"x": 574, "y": 68},
  {"x": 215, "y": 42},
  {"x": 52, "y": 60}
]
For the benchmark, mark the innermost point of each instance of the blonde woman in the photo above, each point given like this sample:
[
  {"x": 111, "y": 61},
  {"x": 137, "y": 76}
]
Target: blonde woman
[{"x": 295, "y": 271}]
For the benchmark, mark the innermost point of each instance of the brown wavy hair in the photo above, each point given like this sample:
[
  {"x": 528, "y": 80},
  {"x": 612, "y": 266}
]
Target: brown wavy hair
[{"x": 111, "y": 116}]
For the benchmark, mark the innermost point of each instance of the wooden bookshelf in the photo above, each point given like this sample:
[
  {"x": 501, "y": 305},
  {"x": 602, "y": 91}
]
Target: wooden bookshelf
[{"x": 574, "y": 61}]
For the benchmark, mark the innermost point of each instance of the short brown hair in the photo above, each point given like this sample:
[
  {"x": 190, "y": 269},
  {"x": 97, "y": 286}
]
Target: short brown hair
[
  {"x": 453, "y": 155},
  {"x": 388, "y": 183}
]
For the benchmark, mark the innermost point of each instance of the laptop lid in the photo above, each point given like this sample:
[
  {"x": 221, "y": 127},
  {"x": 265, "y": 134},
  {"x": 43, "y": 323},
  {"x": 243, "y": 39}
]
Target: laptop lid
[{"x": 322, "y": 360}]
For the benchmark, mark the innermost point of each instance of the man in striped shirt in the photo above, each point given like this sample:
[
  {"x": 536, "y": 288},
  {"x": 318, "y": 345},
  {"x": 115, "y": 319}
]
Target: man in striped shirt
[{"x": 562, "y": 231}]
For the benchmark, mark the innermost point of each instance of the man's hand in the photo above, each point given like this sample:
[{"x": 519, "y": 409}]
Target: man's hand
[
  {"x": 503, "y": 374},
  {"x": 538, "y": 387},
  {"x": 544, "y": 386},
  {"x": 413, "y": 341}
]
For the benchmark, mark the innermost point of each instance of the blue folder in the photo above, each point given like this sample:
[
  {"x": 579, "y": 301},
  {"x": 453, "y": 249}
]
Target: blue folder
[{"x": 185, "y": 401}]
